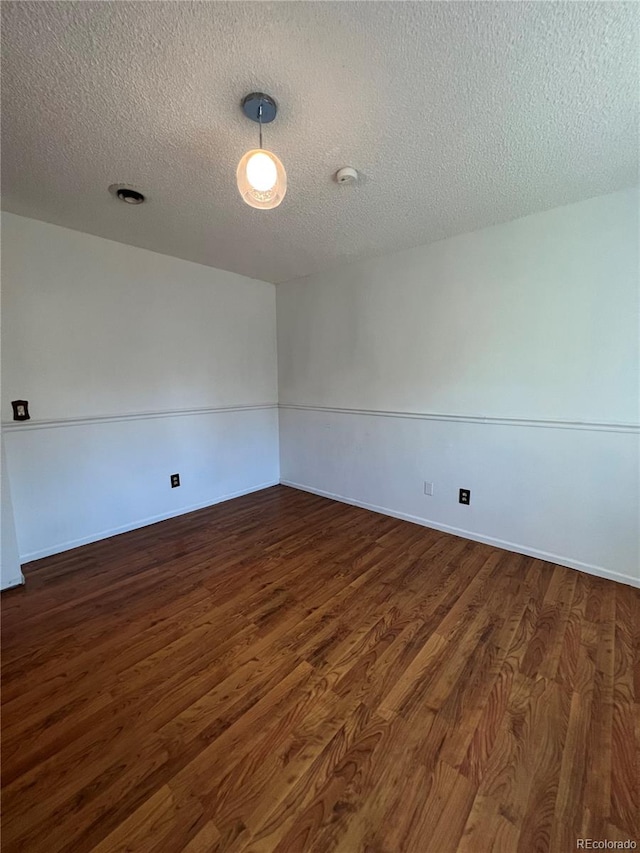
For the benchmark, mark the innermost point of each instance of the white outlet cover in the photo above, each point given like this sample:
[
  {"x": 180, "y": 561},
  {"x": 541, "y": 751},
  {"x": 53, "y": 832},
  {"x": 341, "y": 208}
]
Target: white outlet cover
[{"x": 428, "y": 488}]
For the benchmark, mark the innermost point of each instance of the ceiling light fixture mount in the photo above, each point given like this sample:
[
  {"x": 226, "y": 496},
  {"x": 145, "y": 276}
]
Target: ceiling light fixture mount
[
  {"x": 259, "y": 107},
  {"x": 262, "y": 180}
]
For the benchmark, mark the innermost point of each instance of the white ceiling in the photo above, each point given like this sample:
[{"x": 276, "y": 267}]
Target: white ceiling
[{"x": 458, "y": 115}]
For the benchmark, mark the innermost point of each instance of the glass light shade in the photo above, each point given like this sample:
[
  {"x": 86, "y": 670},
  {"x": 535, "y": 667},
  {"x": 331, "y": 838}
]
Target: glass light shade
[{"x": 262, "y": 180}]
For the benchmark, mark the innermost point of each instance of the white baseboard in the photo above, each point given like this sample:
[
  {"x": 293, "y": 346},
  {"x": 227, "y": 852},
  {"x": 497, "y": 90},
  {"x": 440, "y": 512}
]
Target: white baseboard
[
  {"x": 13, "y": 583},
  {"x": 598, "y": 571},
  {"x": 135, "y": 525}
]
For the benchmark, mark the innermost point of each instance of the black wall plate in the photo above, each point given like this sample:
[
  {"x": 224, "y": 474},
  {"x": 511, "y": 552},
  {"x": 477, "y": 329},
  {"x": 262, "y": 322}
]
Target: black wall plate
[{"x": 21, "y": 410}]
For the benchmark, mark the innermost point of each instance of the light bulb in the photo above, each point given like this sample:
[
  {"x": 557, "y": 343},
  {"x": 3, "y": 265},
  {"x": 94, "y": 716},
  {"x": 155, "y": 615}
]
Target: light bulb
[
  {"x": 261, "y": 172},
  {"x": 262, "y": 180}
]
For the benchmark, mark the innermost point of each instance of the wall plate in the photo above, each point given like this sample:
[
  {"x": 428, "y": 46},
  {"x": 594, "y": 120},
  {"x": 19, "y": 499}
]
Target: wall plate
[{"x": 21, "y": 410}]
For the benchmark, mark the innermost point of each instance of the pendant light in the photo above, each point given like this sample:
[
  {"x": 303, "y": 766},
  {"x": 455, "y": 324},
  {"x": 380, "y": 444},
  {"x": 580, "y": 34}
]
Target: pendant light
[{"x": 262, "y": 180}]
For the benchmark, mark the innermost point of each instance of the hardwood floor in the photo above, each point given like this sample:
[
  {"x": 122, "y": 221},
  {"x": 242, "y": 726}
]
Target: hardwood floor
[{"x": 286, "y": 673}]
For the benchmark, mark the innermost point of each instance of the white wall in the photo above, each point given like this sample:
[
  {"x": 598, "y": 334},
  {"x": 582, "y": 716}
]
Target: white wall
[
  {"x": 10, "y": 574},
  {"x": 510, "y": 360},
  {"x": 136, "y": 366},
  {"x": 504, "y": 361}
]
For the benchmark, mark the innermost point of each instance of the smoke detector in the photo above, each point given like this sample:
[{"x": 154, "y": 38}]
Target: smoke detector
[{"x": 346, "y": 175}]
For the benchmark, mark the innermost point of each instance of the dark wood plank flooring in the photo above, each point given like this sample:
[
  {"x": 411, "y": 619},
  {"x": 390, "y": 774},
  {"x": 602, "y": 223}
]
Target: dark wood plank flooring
[{"x": 286, "y": 673}]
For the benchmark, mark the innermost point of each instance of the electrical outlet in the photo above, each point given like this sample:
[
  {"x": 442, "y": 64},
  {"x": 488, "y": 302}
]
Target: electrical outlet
[
  {"x": 428, "y": 488},
  {"x": 175, "y": 480},
  {"x": 464, "y": 496}
]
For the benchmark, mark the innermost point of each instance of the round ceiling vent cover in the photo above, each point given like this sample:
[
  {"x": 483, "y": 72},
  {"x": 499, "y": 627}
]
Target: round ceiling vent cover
[{"x": 126, "y": 194}]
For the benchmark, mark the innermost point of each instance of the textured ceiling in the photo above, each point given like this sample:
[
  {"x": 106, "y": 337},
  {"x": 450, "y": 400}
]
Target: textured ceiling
[{"x": 458, "y": 115}]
